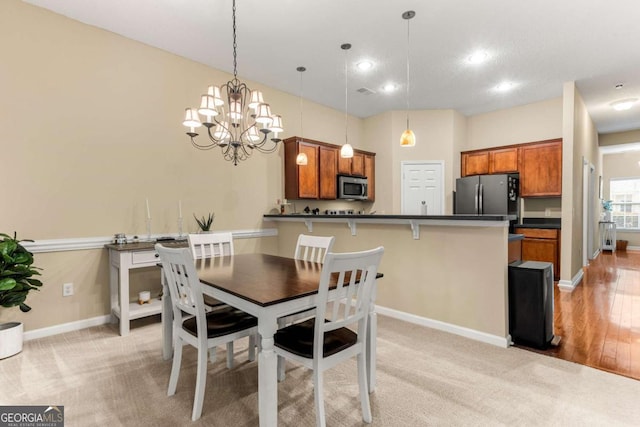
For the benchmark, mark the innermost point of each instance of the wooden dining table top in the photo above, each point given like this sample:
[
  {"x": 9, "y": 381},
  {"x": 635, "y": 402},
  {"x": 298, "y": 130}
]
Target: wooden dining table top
[{"x": 260, "y": 278}]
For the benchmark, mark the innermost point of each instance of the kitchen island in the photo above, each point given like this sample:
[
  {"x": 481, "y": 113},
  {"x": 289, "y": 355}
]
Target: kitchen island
[{"x": 447, "y": 272}]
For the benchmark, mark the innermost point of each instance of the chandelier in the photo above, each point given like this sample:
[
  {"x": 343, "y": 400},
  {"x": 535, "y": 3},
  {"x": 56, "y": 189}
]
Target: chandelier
[{"x": 237, "y": 118}]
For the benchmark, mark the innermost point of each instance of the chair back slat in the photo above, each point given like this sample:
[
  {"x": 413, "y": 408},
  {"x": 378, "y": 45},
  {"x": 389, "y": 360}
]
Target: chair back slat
[
  {"x": 208, "y": 245},
  {"x": 182, "y": 280},
  {"x": 313, "y": 248},
  {"x": 354, "y": 275}
]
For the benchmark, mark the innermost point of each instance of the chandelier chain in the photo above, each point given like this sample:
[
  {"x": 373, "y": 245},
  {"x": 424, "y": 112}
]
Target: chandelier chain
[{"x": 235, "y": 44}]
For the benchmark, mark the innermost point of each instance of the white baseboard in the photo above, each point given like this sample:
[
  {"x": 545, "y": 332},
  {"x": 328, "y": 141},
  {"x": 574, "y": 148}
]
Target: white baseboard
[
  {"x": 633, "y": 248},
  {"x": 570, "y": 285},
  {"x": 66, "y": 327},
  {"x": 446, "y": 327}
]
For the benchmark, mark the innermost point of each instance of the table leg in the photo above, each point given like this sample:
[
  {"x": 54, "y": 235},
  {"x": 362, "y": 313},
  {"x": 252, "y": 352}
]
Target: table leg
[
  {"x": 123, "y": 277},
  {"x": 113, "y": 289},
  {"x": 167, "y": 320},
  {"x": 267, "y": 375}
]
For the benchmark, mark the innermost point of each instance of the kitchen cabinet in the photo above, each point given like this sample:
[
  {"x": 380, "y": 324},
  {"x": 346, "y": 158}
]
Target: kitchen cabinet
[
  {"x": 475, "y": 163},
  {"x": 327, "y": 171},
  {"x": 370, "y": 173},
  {"x": 352, "y": 166},
  {"x": 301, "y": 181},
  {"x": 318, "y": 178},
  {"x": 541, "y": 244},
  {"x": 504, "y": 160},
  {"x": 541, "y": 169}
]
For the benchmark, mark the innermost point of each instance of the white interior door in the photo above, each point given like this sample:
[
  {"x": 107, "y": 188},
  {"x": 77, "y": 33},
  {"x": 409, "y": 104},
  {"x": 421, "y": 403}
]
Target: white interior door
[{"x": 422, "y": 187}]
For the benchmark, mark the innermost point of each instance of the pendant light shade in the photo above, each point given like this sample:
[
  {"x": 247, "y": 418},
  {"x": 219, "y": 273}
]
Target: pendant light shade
[
  {"x": 408, "y": 138},
  {"x": 301, "y": 158},
  {"x": 346, "y": 151}
]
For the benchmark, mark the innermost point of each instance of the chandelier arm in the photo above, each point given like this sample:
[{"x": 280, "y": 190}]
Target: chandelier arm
[{"x": 202, "y": 147}]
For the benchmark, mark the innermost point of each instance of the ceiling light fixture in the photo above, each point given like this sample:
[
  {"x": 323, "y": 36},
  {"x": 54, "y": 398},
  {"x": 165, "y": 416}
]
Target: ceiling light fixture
[
  {"x": 624, "y": 104},
  {"x": 238, "y": 124},
  {"x": 478, "y": 57},
  {"x": 301, "y": 158},
  {"x": 389, "y": 87},
  {"x": 346, "y": 151},
  {"x": 408, "y": 138},
  {"x": 365, "y": 65},
  {"x": 504, "y": 86}
]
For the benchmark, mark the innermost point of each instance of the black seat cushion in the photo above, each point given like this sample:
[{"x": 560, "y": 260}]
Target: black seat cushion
[
  {"x": 298, "y": 339},
  {"x": 211, "y": 301},
  {"x": 222, "y": 322}
]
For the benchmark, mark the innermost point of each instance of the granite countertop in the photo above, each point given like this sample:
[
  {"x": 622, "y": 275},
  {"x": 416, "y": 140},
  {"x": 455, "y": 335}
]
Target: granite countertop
[
  {"x": 549, "y": 223},
  {"x": 458, "y": 217}
]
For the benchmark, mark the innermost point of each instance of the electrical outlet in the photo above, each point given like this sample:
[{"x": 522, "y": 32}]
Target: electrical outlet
[
  {"x": 67, "y": 289},
  {"x": 547, "y": 212}
]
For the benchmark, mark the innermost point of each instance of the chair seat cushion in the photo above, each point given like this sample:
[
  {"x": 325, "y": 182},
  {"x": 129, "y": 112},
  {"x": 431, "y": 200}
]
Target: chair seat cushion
[
  {"x": 211, "y": 301},
  {"x": 298, "y": 339},
  {"x": 224, "y": 321}
]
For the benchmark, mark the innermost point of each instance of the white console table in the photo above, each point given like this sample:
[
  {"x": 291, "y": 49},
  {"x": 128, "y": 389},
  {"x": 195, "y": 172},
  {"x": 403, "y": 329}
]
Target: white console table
[
  {"x": 122, "y": 259},
  {"x": 608, "y": 236}
]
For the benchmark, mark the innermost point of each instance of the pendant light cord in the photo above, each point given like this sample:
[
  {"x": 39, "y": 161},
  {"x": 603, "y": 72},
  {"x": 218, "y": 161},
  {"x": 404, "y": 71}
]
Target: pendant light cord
[
  {"x": 408, "y": 79},
  {"x": 235, "y": 44},
  {"x": 346, "y": 47}
]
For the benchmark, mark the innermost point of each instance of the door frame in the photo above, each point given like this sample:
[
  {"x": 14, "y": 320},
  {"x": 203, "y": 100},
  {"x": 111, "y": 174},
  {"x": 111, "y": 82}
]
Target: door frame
[
  {"x": 404, "y": 163},
  {"x": 588, "y": 201}
]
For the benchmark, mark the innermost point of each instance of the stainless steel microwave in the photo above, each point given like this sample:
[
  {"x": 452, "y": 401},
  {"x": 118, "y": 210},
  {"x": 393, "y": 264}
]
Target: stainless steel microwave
[{"x": 352, "y": 187}]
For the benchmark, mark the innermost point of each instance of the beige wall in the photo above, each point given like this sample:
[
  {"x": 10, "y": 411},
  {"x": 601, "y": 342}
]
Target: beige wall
[
  {"x": 92, "y": 127},
  {"x": 527, "y": 123},
  {"x": 619, "y": 138},
  {"x": 580, "y": 144},
  {"x": 621, "y": 165},
  {"x": 455, "y": 275}
]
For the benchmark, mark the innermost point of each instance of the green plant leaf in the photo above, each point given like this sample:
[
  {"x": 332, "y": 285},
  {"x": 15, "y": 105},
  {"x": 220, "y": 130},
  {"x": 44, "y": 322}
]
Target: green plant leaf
[{"x": 7, "y": 283}]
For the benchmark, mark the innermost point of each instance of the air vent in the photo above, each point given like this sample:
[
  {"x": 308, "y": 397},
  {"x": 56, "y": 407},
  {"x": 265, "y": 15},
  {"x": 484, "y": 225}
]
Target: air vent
[{"x": 366, "y": 91}]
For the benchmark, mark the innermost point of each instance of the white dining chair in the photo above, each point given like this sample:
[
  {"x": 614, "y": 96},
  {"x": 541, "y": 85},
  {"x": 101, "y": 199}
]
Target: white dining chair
[
  {"x": 192, "y": 324},
  {"x": 324, "y": 341},
  {"x": 313, "y": 249},
  {"x": 209, "y": 245}
]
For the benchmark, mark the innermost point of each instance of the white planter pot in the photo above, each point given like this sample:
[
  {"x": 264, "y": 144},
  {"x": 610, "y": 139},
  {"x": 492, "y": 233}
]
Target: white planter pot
[{"x": 10, "y": 339}]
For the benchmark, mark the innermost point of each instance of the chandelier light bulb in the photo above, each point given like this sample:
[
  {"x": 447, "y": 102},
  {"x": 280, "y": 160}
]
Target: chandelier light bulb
[
  {"x": 191, "y": 119},
  {"x": 346, "y": 151},
  {"x": 256, "y": 99},
  {"x": 408, "y": 139}
]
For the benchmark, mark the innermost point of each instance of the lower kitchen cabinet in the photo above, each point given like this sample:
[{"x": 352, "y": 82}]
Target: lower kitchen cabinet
[{"x": 541, "y": 244}]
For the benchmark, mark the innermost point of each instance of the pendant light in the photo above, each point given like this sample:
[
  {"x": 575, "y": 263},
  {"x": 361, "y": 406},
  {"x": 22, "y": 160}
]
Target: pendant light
[
  {"x": 346, "y": 151},
  {"x": 408, "y": 138},
  {"x": 301, "y": 158}
]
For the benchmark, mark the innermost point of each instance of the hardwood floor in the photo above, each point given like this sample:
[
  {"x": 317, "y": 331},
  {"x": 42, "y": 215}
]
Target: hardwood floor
[{"x": 599, "y": 321}]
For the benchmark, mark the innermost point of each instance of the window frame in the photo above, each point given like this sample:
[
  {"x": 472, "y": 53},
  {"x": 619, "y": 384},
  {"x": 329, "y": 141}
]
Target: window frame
[{"x": 625, "y": 208}]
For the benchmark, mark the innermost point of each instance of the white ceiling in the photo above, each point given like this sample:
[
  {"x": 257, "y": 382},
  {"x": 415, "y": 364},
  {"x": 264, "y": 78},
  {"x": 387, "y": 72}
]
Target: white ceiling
[{"x": 538, "y": 45}]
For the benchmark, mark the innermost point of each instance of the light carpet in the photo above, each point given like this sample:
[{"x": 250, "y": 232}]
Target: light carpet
[{"x": 425, "y": 377}]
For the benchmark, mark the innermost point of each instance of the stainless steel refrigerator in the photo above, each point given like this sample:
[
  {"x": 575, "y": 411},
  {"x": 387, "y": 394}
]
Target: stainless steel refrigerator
[{"x": 487, "y": 194}]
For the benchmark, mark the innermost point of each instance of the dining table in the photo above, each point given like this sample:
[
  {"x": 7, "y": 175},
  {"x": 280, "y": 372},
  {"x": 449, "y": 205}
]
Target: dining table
[{"x": 267, "y": 287}]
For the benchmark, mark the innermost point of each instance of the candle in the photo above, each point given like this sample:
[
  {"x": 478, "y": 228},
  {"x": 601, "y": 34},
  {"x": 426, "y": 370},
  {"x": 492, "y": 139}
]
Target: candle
[
  {"x": 179, "y": 208},
  {"x": 148, "y": 211}
]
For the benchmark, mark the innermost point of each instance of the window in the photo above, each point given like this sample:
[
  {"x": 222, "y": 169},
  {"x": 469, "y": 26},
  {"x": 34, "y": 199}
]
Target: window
[{"x": 625, "y": 196}]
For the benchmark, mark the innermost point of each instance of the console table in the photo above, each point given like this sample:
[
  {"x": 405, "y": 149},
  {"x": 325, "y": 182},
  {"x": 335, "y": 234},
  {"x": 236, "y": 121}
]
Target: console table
[
  {"x": 122, "y": 259},
  {"x": 608, "y": 236}
]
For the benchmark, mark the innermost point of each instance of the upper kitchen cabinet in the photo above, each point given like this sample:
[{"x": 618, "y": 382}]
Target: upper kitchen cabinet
[
  {"x": 541, "y": 169},
  {"x": 327, "y": 171},
  {"x": 475, "y": 163},
  {"x": 370, "y": 173},
  {"x": 318, "y": 178},
  {"x": 301, "y": 181},
  {"x": 503, "y": 160},
  {"x": 352, "y": 166}
]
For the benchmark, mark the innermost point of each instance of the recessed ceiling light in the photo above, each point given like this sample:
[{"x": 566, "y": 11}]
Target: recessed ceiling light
[
  {"x": 624, "y": 104},
  {"x": 389, "y": 87},
  {"x": 365, "y": 65},
  {"x": 505, "y": 86},
  {"x": 478, "y": 57}
]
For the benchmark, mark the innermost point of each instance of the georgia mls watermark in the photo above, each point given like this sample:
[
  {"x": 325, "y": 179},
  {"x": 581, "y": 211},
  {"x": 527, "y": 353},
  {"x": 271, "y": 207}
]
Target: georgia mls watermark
[{"x": 32, "y": 416}]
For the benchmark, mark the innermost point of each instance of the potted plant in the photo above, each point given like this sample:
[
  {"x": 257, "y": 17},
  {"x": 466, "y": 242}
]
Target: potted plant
[
  {"x": 607, "y": 205},
  {"x": 205, "y": 223},
  {"x": 16, "y": 280}
]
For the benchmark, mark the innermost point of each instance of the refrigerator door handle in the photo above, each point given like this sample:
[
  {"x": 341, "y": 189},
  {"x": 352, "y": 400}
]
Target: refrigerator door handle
[
  {"x": 481, "y": 204},
  {"x": 476, "y": 199}
]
